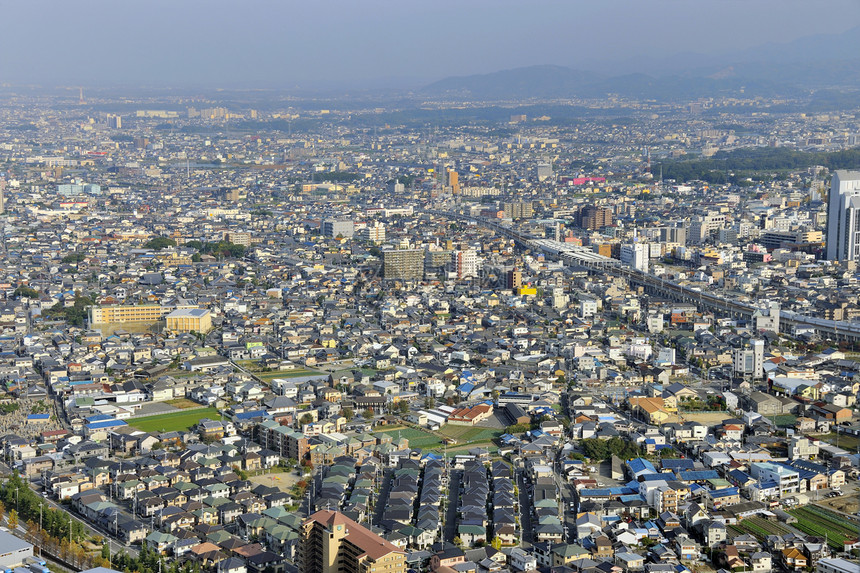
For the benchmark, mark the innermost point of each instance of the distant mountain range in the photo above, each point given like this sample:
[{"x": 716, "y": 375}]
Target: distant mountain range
[{"x": 803, "y": 65}]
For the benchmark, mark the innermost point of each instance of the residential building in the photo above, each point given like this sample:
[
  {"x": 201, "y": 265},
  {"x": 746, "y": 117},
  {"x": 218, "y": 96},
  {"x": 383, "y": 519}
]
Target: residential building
[{"x": 333, "y": 543}]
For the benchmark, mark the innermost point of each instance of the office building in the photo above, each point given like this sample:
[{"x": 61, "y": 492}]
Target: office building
[
  {"x": 333, "y": 543},
  {"x": 702, "y": 227},
  {"x": 843, "y": 217},
  {"x": 395, "y": 186},
  {"x": 636, "y": 256},
  {"x": 114, "y": 121},
  {"x": 189, "y": 319},
  {"x": 673, "y": 235},
  {"x": 407, "y": 264},
  {"x": 749, "y": 360},
  {"x": 334, "y": 228},
  {"x": 592, "y": 217}
]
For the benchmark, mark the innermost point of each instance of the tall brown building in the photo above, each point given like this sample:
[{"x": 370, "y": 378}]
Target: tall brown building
[
  {"x": 514, "y": 279},
  {"x": 333, "y": 543},
  {"x": 593, "y": 217}
]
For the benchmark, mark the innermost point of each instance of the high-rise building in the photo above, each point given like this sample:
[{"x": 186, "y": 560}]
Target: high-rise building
[
  {"x": 519, "y": 210},
  {"x": 454, "y": 181},
  {"x": 406, "y": 264},
  {"x": 635, "y": 255},
  {"x": 465, "y": 263},
  {"x": 114, "y": 121},
  {"x": 333, "y": 543},
  {"x": 333, "y": 228},
  {"x": 843, "y": 216},
  {"x": 593, "y": 217},
  {"x": 514, "y": 278}
]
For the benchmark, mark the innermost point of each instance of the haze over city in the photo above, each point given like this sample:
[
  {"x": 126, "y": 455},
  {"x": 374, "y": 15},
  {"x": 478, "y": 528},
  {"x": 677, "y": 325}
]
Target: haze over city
[{"x": 355, "y": 45}]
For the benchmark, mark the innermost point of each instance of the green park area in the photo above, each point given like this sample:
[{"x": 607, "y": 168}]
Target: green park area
[{"x": 174, "y": 421}]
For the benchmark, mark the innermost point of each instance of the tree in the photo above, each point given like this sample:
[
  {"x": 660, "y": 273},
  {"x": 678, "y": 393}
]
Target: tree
[
  {"x": 349, "y": 414},
  {"x": 159, "y": 243},
  {"x": 496, "y": 543},
  {"x": 306, "y": 419},
  {"x": 367, "y": 414},
  {"x": 457, "y": 541},
  {"x": 13, "y": 520}
]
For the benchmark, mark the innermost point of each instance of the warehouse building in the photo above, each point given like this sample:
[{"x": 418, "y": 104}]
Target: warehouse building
[{"x": 13, "y": 551}]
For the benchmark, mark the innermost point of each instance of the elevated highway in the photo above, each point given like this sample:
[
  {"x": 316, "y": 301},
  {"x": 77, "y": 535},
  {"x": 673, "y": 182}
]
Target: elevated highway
[{"x": 573, "y": 255}]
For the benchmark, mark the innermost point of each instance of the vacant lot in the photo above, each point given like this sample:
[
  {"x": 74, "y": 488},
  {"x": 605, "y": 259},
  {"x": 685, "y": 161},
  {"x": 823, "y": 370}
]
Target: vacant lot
[
  {"x": 182, "y": 403},
  {"x": 844, "y": 441},
  {"x": 284, "y": 481},
  {"x": 707, "y": 418},
  {"x": 174, "y": 421}
]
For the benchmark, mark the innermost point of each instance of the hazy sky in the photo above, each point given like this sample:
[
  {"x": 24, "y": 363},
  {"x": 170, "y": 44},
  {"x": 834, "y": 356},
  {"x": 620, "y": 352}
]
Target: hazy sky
[{"x": 319, "y": 43}]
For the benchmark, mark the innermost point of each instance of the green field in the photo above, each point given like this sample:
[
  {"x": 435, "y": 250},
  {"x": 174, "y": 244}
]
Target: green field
[
  {"x": 286, "y": 374},
  {"x": 821, "y": 522},
  {"x": 760, "y": 527},
  {"x": 470, "y": 433},
  {"x": 173, "y": 421},
  {"x": 417, "y": 438},
  {"x": 846, "y": 442}
]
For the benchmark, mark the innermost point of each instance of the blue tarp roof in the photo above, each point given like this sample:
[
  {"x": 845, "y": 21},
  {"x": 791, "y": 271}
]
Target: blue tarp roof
[
  {"x": 641, "y": 465},
  {"x": 39, "y": 417},
  {"x": 725, "y": 492},
  {"x": 105, "y": 424},
  {"x": 252, "y": 414}
]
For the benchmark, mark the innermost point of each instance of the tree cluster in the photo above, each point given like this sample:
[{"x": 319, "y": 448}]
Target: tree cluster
[
  {"x": 597, "y": 449},
  {"x": 219, "y": 249}
]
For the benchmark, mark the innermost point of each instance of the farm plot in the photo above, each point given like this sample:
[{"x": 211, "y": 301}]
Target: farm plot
[{"x": 821, "y": 522}]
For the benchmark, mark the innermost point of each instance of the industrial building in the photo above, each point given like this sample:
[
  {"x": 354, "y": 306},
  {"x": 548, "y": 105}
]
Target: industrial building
[{"x": 13, "y": 550}]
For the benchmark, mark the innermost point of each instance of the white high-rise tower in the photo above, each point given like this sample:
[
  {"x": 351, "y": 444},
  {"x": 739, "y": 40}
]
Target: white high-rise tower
[{"x": 843, "y": 216}]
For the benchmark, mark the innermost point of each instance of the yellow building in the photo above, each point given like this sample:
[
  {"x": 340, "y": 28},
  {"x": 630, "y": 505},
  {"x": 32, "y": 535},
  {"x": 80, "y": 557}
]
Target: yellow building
[
  {"x": 119, "y": 314},
  {"x": 331, "y": 542},
  {"x": 188, "y": 319}
]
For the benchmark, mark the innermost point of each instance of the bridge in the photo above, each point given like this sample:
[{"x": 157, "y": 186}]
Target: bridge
[{"x": 573, "y": 255}]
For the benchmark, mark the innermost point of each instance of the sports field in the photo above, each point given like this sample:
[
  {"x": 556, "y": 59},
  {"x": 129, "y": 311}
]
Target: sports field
[
  {"x": 417, "y": 438},
  {"x": 470, "y": 434},
  {"x": 174, "y": 421}
]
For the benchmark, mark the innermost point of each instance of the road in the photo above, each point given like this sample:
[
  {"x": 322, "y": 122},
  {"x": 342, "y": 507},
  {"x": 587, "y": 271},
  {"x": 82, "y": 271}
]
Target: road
[
  {"x": 525, "y": 503},
  {"x": 450, "y": 531}
]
